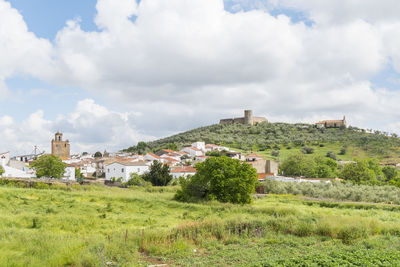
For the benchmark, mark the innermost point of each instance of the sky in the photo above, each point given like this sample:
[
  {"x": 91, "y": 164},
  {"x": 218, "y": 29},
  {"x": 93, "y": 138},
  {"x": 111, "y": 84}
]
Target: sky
[{"x": 110, "y": 73}]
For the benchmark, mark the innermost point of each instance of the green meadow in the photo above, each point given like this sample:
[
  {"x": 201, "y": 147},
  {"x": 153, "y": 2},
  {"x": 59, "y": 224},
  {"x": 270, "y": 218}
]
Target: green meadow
[{"x": 101, "y": 226}]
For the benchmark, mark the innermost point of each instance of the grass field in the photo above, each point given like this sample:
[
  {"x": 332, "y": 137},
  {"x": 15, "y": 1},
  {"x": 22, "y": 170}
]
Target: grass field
[{"x": 100, "y": 226}]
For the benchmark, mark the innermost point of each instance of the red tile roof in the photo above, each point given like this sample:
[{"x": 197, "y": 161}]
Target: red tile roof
[
  {"x": 168, "y": 150},
  {"x": 154, "y": 155},
  {"x": 184, "y": 169}
]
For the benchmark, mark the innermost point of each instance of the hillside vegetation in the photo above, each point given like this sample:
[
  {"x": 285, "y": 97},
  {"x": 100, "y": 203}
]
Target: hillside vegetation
[
  {"x": 278, "y": 140},
  {"x": 100, "y": 226}
]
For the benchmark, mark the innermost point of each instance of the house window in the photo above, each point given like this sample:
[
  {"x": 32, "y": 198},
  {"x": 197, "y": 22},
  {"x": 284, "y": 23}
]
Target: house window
[
  {"x": 108, "y": 170},
  {"x": 122, "y": 170}
]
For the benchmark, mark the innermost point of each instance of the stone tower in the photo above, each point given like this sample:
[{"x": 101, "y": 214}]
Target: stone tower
[
  {"x": 248, "y": 117},
  {"x": 59, "y": 147}
]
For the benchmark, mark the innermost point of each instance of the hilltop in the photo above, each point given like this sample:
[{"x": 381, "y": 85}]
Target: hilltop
[{"x": 270, "y": 138}]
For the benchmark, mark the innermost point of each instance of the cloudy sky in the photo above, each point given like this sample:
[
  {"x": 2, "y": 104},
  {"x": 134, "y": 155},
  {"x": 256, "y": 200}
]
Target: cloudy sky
[{"x": 109, "y": 73}]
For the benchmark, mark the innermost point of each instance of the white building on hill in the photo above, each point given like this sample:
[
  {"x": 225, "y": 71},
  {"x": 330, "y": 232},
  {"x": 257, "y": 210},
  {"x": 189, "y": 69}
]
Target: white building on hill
[{"x": 125, "y": 169}]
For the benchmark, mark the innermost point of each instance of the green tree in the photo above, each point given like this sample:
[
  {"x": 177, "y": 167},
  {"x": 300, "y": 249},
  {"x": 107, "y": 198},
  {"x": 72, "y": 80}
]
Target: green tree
[
  {"x": 325, "y": 167},
  {"x": 49, "y": 166},
  {"x": 220, "y": 178},
  {"x": 1, "y": 170},
  {"x": 159, "y": 174},
  {"x": 98, "y": 154},
  {"x": 390, "y": 173},
  {"x": 213, "y": 153},
  {"x": 78, "y": 173},
  {"x": 358, "y": 172},
  {"x": 298, "y": 165}
]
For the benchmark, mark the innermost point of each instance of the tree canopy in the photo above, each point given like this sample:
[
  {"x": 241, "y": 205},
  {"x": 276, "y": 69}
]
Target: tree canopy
[
  {"x": 1, "y": 170},
  {"x": 159, "y": 174},
  {"x": 308, "y": 166},
  {"x": 220, "y": 178},
  {"x": 49, "y": 166}
]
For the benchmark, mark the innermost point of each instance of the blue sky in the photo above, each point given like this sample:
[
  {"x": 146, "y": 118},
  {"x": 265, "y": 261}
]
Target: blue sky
[{"x": 163, "y": 67}]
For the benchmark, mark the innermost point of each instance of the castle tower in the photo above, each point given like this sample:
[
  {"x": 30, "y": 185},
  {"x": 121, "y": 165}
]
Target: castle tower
[
  {"x": 248, "y": 117},
  {"x": 59, "y": 147}
]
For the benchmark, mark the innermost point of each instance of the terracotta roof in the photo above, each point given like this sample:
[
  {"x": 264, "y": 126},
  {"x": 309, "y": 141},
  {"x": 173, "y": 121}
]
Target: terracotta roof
[
  {"x": 195, "y": 148},
  {"x": 171, "y": 159},
  {"x": 167, "y": 150},
  {"x": 211, "y": 145},
  {"x": 154, "y": 155},
  {"x": 184, "y": 169},
  {"x": 137, "y": 163}
]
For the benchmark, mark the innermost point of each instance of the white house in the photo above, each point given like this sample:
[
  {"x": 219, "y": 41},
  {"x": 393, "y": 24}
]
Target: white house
[
  {"x": 200, "y": 159},
  {"x": 213, "y": 147},
  {"x": 69, "y": 173},
  {"x": 183, "y": 171},
  {"x": 15, "y": 173},
  {"x": 200, "y": 145},
  {"x": 4, "y": 158},
  {"x": 193, "y": 151},
  {"x": 125, "y": 169}
]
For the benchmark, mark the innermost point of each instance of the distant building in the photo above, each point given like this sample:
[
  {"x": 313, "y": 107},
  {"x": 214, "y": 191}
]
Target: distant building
[
  {"x": 248, "y": 119},
  {"x": 332, "y": 123},
  {"x": 184, "y": 171},
  {"x": 125, "y": 169},
  {"x": 59, "y": 147},
  {"x": 267, "y": 167}
]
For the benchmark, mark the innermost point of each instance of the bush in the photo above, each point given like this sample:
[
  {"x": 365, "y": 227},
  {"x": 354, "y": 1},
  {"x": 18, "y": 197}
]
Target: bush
[
  {"x": 331, "y": 155},
  {"x": 223, "y": 179},
  {"x": 136, "y": 180},
  {"x": 275, "y": 153},
  {"x": 307, "y": 150},
  {"x": 359, "y": 171}
]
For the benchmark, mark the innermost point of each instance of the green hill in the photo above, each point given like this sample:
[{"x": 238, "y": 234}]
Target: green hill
[{"x": 269, "y": 138}]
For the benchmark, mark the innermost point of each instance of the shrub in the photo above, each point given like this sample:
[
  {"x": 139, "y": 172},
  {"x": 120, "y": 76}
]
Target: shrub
[
  {"x": 331, "y": 155},
  {"x": 275, "y": 153},
  {"x": 136, "y": 180},
  {"x": 223, "y": 179},
  {"x": 359, "y": 171},
  {"x": 307, "y": 150},
  {"x": 40, "y": 185}
]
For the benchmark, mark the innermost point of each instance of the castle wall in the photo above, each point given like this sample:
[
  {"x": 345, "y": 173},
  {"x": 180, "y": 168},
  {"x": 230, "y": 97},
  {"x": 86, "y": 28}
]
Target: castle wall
[
  {"x": 259, "y": 120},
  {"x": 248, "y": 119}
]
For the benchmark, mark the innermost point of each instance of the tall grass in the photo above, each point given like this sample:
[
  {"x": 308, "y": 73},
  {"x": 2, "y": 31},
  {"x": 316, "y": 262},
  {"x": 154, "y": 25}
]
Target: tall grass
[{"x": 129, "y": 227}]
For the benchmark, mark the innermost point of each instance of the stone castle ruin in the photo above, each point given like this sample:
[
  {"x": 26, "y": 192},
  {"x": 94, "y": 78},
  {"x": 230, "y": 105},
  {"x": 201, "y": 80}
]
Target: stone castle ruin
[{"x": 248, "y": 119}]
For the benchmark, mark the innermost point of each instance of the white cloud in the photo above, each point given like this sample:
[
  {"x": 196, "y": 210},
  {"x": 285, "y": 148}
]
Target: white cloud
[
  {"x": 184, "y": 64},
  {"x": 90, "y": 127},
  {"x": 21, "y": 52}
]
